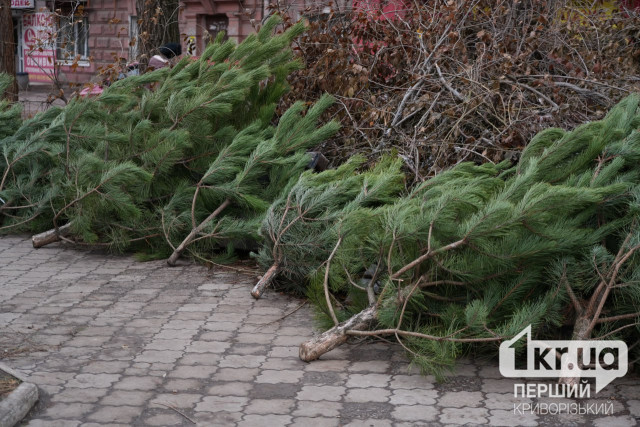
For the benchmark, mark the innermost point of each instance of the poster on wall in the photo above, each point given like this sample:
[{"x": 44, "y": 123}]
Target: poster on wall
[
  {"x": 38, "y": 41},
  {"x": 22, "y": 4}
]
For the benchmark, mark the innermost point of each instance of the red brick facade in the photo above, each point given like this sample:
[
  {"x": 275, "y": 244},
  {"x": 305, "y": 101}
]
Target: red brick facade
[{"x": 110, "y": 24}]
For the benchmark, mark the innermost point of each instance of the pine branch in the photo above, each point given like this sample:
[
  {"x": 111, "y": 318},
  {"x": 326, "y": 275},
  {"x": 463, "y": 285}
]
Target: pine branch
[
  {"x": 326, "y": 282},
  {"x": 619, "y": 317},
  {"x": 178, "y": 251},
  {"x": 427, "y": 256},
  {"x": 395, "y": 331}
]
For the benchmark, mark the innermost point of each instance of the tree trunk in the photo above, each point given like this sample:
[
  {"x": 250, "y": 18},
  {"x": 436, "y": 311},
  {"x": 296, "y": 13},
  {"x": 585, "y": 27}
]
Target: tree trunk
[
  {"x": 327, "y": 341},
  {"x": 265, "y": 281},
  {"x": 157, "y": 25},
  {"x": 178, "y": 251},
  {"x": 7, "y": 49},
  {"x": 51, "y": 236},
  {"x": 581, "y": 332}
]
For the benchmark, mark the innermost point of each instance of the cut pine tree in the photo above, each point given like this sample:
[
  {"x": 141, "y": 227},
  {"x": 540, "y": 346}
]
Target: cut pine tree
[
  {"x": 146, "y": 166},
  {"x": 300, "y": 227},
  {"x": 473, "y": 256},
  {"x": 252, "y": 171}
]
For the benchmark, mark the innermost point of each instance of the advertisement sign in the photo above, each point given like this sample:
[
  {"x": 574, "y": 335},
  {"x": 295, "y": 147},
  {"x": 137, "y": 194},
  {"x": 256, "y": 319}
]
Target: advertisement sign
[
  {"x": 22, "y": 4},
  {"x": 38, "y": 42}
]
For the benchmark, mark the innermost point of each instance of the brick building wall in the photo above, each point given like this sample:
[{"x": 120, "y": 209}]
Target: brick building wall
[
  {"x": 110, "y": 27},
  {"x": 103, "y": 35},
  {"x": 108, "y": 39}
]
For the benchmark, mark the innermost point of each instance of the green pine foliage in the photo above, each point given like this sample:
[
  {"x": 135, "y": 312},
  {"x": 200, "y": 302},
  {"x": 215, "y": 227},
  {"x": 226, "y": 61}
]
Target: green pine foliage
[
  {"x": 247, "y": 175},
  {"x": 188, "y": 159},
  {"x": 9, "y": 113},
  {"x": 141, "y": 165},
  {"x": 476, "y": 254},
  {"x": 302, "y": 226}
]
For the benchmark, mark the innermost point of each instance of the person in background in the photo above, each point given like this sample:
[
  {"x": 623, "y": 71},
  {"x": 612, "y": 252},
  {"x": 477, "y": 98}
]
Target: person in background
[
  {"x": 161, "y": 59},
  {"x": 165, "y": 54}
]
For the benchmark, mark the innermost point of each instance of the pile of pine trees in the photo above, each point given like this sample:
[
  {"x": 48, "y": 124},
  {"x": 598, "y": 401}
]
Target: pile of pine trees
[
  {"x": 188, "y": 160},
  {"x": 179, "y": 159},
  {"x": 474, "y": 255}
]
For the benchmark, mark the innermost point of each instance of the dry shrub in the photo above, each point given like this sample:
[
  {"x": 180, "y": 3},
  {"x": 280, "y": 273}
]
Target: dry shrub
[{"x": 445, "y": 82}]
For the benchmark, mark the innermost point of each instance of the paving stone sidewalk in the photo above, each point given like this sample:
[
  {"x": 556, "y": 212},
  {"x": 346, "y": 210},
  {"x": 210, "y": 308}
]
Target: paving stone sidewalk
[{"x": 112, "y": 341}]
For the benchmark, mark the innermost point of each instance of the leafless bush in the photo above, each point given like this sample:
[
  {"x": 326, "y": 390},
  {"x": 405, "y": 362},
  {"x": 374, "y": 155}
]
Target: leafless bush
[{"x": 445, "y": 82}]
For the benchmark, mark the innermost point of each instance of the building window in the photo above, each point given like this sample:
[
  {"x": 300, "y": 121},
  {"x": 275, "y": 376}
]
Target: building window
[{"x": 73, "y": 39}]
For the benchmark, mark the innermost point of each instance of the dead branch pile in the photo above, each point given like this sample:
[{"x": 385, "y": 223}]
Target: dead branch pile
[{"x": 445, "y": 82}]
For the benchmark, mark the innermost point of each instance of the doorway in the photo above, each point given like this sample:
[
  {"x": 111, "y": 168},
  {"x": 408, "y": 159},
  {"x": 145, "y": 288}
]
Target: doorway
[
  {"x": 214, "y": 24},
  {"x": 17, "y": 47}
]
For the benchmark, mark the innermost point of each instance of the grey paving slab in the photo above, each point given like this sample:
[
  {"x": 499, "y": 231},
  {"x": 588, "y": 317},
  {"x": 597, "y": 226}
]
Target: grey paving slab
[{"x": 110, "y": 341}]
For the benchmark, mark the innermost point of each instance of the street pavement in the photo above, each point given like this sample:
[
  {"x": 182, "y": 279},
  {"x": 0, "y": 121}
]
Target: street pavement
[{"x": 112, "y": 341}]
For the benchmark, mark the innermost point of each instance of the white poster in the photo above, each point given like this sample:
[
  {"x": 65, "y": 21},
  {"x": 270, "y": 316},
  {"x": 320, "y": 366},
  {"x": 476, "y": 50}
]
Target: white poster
[
  {"x": 38, "y": 39},
  {"x": 22, "y": 4}
]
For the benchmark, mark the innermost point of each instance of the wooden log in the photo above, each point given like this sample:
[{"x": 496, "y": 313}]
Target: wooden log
[
  {"x": 178, "y": 251},
  {"x": 327, "y": 341},
  {"x": 51, "y": 236},
  {"x": 265, "y": 281}
]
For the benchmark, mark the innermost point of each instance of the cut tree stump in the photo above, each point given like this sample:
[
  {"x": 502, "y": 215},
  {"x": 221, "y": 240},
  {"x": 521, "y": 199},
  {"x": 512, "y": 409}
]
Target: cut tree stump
[
  {"x": 265, "y": 281},
  {"x": 327, "y": 341},
  {"x": 51, "y": 236}
]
